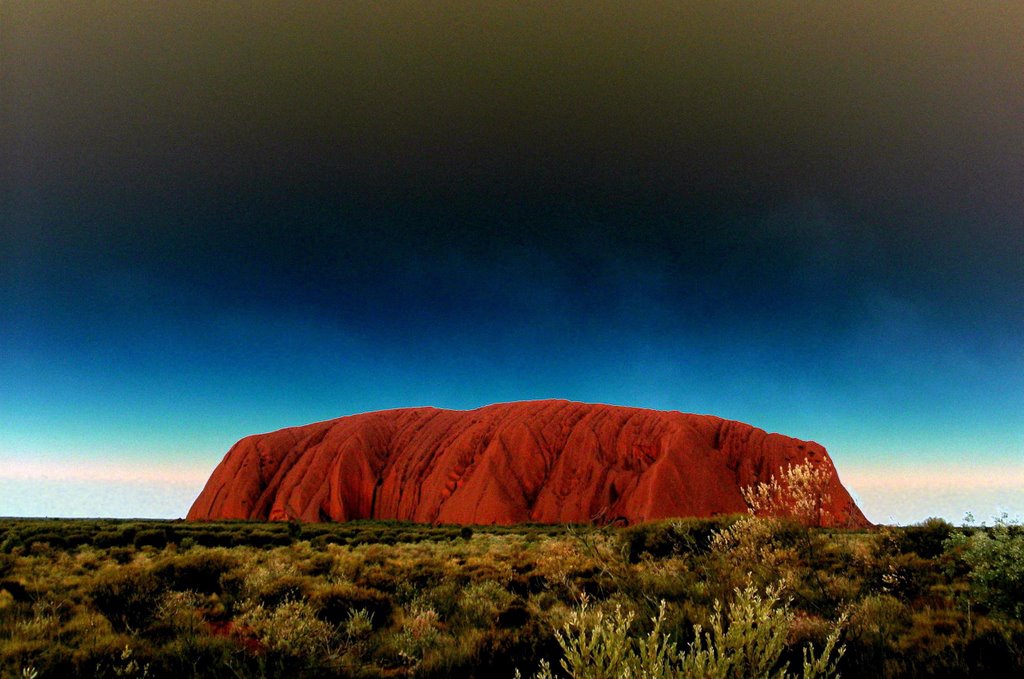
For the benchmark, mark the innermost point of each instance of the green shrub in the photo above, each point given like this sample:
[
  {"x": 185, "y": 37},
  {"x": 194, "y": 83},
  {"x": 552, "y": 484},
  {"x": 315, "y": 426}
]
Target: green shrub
[
  {"x": 319, "y": 564},
  {"x": 198, "y": 570},
  {"x": 10, "y": 544},
  {"x": 126, "y": 535},
  {"x": 321, "y": 541},
  {"x": 523, "y": 645},
  {"x": 876, "y": 625},
  {"x": 753, "y": 547},
  {"x": 996, "y": 560},
  {"x": 996, "y": 650},
  {"x": 480, "y": 604},
  {"x": 335, "y": 603},
  {"x": 16, "y": 590},
  {"x": 50, "y": 539},
  {"x": 126, "y": 595},
  {"x": 201, "y": 655},
  {"x": 105, "y": 656},
  {"x": 121, "y": 555},
  {"x": 287, "y": 587},
  {"x": 293, "y": 638},
  {"x": 150, "y": 538},
  {"x": 927, "y": 538},
  {"x": 264, "y": 538},
  {"x": 673, "y": 537}
]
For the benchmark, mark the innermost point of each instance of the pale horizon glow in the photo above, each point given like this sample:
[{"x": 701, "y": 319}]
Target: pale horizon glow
[
  {"x": 887, "y": 494},
  {"x": 901, "y": 494},
  {"x": 938, "y": 476},
  {"x": 104, "y": 471}
]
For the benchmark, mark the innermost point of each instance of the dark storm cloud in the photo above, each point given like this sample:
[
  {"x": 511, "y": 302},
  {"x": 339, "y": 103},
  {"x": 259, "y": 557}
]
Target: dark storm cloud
[{"x": 414, "y": 164}]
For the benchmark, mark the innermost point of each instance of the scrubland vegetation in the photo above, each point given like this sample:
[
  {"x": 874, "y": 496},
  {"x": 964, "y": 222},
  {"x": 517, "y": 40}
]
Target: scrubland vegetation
[{"x": 728, "y": 597}]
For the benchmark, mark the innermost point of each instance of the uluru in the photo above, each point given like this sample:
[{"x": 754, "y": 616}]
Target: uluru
[{"x": 549, "y": 461}]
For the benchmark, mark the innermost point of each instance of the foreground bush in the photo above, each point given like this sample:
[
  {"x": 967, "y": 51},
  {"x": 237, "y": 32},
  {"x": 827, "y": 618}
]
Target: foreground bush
[
  {"x": 746, "y": 641},
  {"x": 127, "y": 596}
]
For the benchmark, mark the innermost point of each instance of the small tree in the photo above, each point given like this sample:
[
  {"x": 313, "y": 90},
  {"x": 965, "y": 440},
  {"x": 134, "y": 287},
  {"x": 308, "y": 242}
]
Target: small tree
[{"x": 996, "y": 560}]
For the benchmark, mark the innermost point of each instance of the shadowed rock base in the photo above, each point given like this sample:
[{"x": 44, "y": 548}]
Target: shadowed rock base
[{"x": 540, "y": 461}]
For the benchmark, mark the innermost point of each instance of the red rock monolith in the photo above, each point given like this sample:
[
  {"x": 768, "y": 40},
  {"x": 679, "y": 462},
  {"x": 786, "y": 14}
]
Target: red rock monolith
[{"x": 538, "y": 461}]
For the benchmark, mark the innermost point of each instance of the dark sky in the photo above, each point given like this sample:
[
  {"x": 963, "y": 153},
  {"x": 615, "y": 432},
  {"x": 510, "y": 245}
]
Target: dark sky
[{"x": 224, "y": 218}]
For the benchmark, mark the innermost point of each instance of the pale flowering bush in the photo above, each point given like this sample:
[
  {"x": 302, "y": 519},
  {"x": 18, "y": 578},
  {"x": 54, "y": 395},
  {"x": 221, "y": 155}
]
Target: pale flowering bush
[
  {"x": 264, "y": 574},
  {"x": 128, "y": 666},
  {"x": 420, "y": 633},
  {"x": 557, "y": 561},
  {"x": 44, "y": 622},
  {"x": 291, "y": 628},
  {"x": 181, "y": 611},
  {"x": 423, "y": 624},
  {"x": 481, "y": 602},
  {"x": 359, "y": 624},
  {"x": 800, "y": 492}
]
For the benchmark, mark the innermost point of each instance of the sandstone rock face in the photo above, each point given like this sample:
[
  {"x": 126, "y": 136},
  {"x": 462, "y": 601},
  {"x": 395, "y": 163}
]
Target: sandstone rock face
[{"x": 540, "y": 461}]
